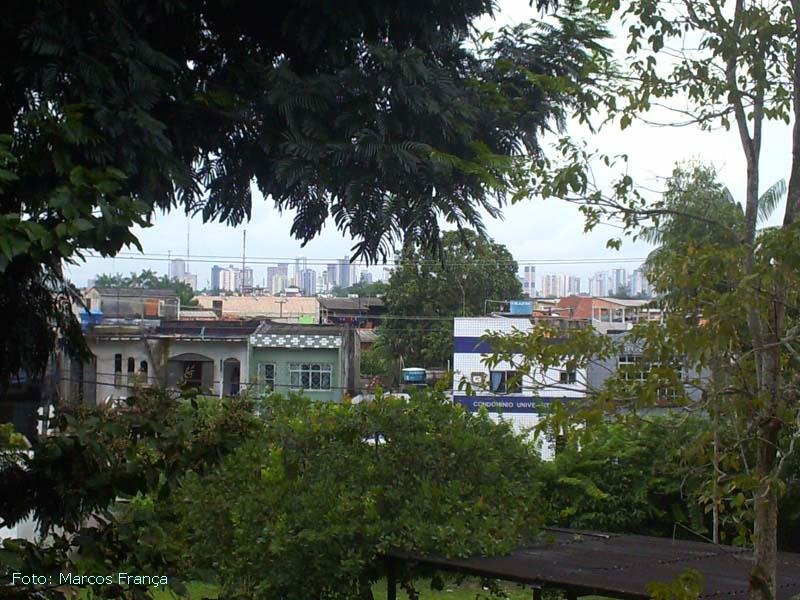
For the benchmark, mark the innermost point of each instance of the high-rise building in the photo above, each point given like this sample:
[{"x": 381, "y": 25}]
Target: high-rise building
[
  {"x": 308, "y": 282},
  {"x": 189, "y": 279},
  {"x": 573, "y": 285},
  {"x": 300, "y": 265},
  {"x": 365, "y": 277},
  {"x": 215, "y": 278},
  {"x": 246, "y": 280},
  {"x": 598, "y": 284},
  {"x": 528, "y": 280},
  {"x": 619, "y": 281},
  {"x": 177, "y": 268},
  {"x": 554, "y": 285},
  {"x": 332, "y": 274},
  {"x": 343, "y": 280},
  {"x": 278, "y": 283},
  {"x": 639, "y": 284}
]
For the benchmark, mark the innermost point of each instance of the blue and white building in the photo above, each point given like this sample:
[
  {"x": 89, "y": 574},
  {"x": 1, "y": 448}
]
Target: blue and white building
[{"x": 505, "y": 393}]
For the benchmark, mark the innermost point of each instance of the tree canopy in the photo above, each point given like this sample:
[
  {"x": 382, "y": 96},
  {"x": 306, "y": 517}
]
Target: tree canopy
[
  {"x": 111, "y": 111},
  {"x": 426, "y": 290}
]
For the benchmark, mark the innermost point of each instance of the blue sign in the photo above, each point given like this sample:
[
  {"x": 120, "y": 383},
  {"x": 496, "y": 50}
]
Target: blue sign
[
  {"x": 502, "y": 404},
  {"x": 521, "y": 307}
]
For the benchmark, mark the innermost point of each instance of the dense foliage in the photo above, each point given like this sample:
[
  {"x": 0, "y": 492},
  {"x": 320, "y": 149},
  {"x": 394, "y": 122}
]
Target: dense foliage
[
  {"x": 426, "y": 290},
  {"x": 110, "y": 111},
  {"x": 306, "y": 509},
  {"x": 72, "y": 483}
]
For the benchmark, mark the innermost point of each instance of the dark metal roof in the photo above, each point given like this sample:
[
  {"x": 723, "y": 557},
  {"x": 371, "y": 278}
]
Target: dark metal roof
[
  {"x": 619, "y": 565},
  {"x": 298, "y": 329},
  {"x": 351, "y": 304},
  {"x": 208, "y": 329}
]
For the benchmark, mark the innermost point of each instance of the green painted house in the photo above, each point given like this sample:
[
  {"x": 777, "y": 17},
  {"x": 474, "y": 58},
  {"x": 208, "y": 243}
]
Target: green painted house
[{"x": 321, "y": 360}]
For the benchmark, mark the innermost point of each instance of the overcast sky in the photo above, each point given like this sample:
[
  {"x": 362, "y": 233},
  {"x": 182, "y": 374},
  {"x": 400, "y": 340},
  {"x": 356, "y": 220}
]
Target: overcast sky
[{"x": 535, "y": 231}]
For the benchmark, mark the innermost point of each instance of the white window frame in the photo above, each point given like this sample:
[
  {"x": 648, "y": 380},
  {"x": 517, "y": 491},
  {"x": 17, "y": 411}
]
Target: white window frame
[
  {"x": 324, "y": 371},
  {"x": 267, "y": 383},
  {"x": 503, "y": 388}
]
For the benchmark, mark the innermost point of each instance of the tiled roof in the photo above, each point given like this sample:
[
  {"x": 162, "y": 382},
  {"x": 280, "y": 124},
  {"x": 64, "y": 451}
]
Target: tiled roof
[{"x": 291, "y": 335}]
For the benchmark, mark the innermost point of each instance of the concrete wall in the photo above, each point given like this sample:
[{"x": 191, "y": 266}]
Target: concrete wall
[{"x": 157, "y": 353}]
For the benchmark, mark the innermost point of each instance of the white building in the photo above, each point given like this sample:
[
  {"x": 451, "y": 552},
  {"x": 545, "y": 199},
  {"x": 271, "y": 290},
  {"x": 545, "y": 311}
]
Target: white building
[
  {"x": 573, "y": 285},
  {"x": 554, "y": 285},
  {"x": 528, "y": 281},
  {"x": 501, "y": 390}
]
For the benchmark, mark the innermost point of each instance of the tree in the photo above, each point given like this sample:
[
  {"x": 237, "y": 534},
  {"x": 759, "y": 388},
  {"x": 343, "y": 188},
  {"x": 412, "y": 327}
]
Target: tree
[
  {"x": 88, "y": 486},
  {"x": 425, "y": 292},
  {"x": 732, "y": 64},
  {"x": 147, "y": 279},
  {"x": 112, "y": 111},
  {"x": 308, "y": 509}
]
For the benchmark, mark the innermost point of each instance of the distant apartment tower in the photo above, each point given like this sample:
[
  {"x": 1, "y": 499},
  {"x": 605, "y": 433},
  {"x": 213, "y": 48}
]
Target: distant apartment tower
[
  {"x": 343, "y": 280},
  {"x": 300, "y": 265},
  {"x": 528, "y": 281},
  {"x": 553, "y": 285},
  {"x": 277, "y": 284},
  {"x": 246, "y": 276},
  {"x": 308, "y": 282},
  {"x": 177, "y": 268},
  {"x": 573, "y": 285},
  {"x": 619, "y": 281},
  {"x": 598, "y": 284},
  {"x": 332, "y": 272},
  {"x": 640, "y": 286},
  {"x": 215, "y": 278}
]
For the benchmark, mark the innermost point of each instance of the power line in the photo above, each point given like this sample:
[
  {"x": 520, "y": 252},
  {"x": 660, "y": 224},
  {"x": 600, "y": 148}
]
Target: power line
[{"x": 272, "y": 261}]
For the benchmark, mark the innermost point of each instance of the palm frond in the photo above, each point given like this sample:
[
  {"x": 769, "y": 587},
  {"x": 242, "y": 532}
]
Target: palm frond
[{"x": 769, "y": 200}]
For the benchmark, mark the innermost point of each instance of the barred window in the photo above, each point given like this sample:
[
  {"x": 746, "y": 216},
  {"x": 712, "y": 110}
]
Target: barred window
[
  {"x": 310, "y": 376},
  {"x": 266, "y": 376}
]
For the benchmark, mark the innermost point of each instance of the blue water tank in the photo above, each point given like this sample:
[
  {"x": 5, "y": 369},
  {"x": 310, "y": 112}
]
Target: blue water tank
[
  {"x": 414, "y": 375},
  {"x": 521, "y": 307},
  {"x": 90, "y": 318}
]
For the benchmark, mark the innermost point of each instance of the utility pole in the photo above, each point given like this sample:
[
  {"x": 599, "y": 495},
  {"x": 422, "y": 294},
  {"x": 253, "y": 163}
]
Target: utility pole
[{"x": 244, "y": 247}]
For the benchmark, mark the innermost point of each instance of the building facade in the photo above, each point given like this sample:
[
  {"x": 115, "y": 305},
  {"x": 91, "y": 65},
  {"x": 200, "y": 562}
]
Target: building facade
[
  {"x": 322, "y": 361},
  {"x": 503, "y": 391}
]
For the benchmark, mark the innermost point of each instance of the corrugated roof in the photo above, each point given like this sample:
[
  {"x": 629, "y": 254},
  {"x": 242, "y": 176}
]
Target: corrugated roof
[
  {"x": 350, "y": 304},
  {"x": 208, "y": 329},
  {"x": 619, "y": 565}
]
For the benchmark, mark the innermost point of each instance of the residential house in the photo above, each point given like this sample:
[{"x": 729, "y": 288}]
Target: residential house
[
  {"x": 364, "y": 313},
  {"x": 321, "y": 360},
  {"x": 211, "y": 354}
]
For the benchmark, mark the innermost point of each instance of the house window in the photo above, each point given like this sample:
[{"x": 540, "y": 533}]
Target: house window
[
  {"x": 131, "y": 365},
  {"x": 143, "y": 367},
  {"x": 118, "y": 369},
  {"x": 266, "y": 376},
  {"x": 633, "y": 368},
  {"x": 567, "y": 377},
  {"x": 310, "y": 376},
  {"x": 505, "y": 382}
]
